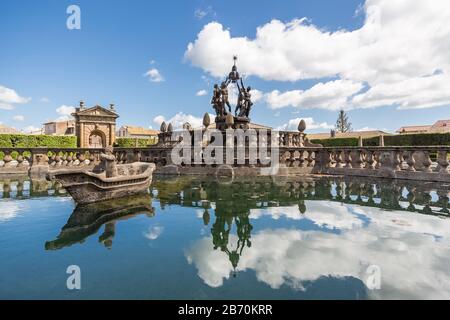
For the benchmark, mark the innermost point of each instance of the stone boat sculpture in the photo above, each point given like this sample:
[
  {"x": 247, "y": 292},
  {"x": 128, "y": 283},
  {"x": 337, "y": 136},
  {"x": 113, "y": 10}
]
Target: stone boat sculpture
[{"x": 108, "y": 181}]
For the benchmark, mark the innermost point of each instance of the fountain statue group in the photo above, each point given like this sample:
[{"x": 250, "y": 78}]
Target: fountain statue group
[{"x": 220, "y": 99}]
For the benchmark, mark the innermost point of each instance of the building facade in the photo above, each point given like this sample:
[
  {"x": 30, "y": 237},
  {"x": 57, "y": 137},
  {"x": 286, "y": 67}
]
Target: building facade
[
  {"x": 137, "y": 132},
  {"x": 7, "y": 130},
  {"x": 60, "y": 128},
  {"x": 440, "y": 126},
  {"x": 95, "y": 127}
]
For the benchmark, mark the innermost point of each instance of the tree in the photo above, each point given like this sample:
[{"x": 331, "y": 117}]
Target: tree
[{"x": 342, "y": 123}]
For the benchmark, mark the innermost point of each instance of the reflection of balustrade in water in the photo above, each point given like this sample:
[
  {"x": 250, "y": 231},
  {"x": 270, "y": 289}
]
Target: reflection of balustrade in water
[
  {"x": 19, "y": 188},
  {"x": 241, "y": 196}
]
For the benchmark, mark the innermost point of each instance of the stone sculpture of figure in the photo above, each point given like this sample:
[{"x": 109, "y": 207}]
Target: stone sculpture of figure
[
  {"x": 241, "y": 103},
  {"x": 224, "y": 94},
  {"x": 216, "y": 101},
  {"x": 248, "y": 101},
  {"x": 109, "y": 162}
]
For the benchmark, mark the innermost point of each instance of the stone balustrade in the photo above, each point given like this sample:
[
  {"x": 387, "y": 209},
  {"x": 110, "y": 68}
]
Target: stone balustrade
[
  {"x": 41, "y": 160},
  {"x": 428, "y": 163},
  {"x": 416, "y": 163}
]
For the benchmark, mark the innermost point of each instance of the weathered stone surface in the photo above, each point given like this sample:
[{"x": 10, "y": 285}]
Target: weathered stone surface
[{"x": 88, "y": 187}]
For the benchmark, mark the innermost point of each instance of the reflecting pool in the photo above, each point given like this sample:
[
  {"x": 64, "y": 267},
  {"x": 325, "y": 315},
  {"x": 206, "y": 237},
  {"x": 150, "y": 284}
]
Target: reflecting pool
[{"x": 198, "y": 238}]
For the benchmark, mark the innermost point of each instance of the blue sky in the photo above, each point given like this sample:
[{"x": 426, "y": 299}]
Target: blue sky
[{"x": 47, "y": 66}]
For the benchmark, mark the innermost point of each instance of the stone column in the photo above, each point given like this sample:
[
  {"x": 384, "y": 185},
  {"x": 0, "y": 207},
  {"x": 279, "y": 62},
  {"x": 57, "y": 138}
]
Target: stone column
[
  {"x": 112, "y": 134},
  {"x": 81, "y": 141}
]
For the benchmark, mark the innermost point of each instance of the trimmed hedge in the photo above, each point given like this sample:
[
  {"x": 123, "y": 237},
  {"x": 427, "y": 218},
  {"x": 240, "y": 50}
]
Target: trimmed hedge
[
  {"x": 36, "y": 141},
  {"x": 135, "y": 142},
  {"x": 422, "y": 139},
  {"x": 337, "y": 142}
]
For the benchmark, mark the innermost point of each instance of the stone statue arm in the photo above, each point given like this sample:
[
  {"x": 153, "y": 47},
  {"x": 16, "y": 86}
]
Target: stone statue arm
[{"x": 109, "y": 157}]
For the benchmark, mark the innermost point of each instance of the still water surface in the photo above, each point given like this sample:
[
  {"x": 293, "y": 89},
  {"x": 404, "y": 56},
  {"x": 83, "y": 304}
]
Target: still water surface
[{"x": 252, "y": 239}]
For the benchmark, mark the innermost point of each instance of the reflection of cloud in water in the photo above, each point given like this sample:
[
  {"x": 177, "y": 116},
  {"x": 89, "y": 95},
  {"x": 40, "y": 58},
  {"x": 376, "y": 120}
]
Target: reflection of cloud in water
[
  {"x": 9, "y": 210},
  {"x": 325, "y": 214},
  {"x": 412, "y": 251},
  {"x": 154, "y": 232}
]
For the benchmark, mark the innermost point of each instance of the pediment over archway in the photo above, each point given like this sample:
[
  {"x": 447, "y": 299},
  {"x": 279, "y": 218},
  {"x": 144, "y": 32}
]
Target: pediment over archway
[{"x": 96, "y": 111}]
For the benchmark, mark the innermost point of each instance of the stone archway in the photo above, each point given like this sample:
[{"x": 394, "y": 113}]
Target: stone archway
[
  {"x": 97, "y": 139},
  {"x": 95, "y": 127}
]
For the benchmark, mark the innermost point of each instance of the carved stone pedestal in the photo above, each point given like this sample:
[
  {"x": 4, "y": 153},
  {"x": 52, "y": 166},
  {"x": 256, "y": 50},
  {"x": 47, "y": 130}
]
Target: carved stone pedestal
[{"x": 222, "y": 123}]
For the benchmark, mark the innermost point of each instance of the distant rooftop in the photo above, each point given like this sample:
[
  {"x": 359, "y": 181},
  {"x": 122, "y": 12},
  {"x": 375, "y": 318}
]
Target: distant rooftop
[
  {"x": 133, "y": 130},
  {"x": 441, "y": 126},
  {"x": 352, "y": 134}
]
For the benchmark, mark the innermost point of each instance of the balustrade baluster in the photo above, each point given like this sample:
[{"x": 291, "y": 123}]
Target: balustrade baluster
[
  {"x": 339, "y": 159},
  {"x": 427, "y": 162},
  {"x": 348, "y": 159},
  {"x": 397, "y": 160},
  {"x": 7, "y": 159},
  {"x": 311, "y": 158},
  {"x": 442, "y": 160},
  {"x": 410, "y": 161}
]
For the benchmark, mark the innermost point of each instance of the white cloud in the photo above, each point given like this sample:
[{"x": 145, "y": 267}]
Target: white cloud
[
  {"x": 310, "y": 124},
  {"x": 9, "y": 98},
  {"x": 389, "y": 240},
  {"x": 65, "y": 112},
  {"x": 32, "y": 129},
  {"x": 154, "y": 75},
  {"x": 332, "y": 95},
  {"x": 154, "y": 232},
  {"x": 19, "y": 118},
  {"x": 45, "y": 99},
  {"x": 371, "y": 129},
  {"x": 201, "y": 93},
  {"x": 399, "y": 54},
  {"x": 201, "y": 13},
  {"x": 180, "y": 118}
]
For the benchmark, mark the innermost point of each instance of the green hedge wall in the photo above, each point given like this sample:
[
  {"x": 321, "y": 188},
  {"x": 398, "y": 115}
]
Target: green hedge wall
[
  {"x": 35, "y": 141},
  {"x": 337, "y": 142},
  {"x": 134, "y": 142},
  {"x": 423, "y": 139}
]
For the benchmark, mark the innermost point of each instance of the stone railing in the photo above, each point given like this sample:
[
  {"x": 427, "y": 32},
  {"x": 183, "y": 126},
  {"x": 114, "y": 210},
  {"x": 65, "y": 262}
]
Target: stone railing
[
  {"x": 36, "y": 161},
  {"x": 417, "y": 163},
  {"x": 428, "y": 163}
]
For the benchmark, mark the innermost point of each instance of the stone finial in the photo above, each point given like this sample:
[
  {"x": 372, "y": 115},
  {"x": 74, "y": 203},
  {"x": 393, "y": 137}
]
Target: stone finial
[
  {"x": 229, "y": 120},
  {"x": 163, "y": 127},
  {"x": 111, "y": 106},
  {"x": 206, "y": 120},
  {"x": 381, "y": 141},
  {"x": 302, "y": 126},
  {"x": 360, "y": 141},
  {"x": 81, "y": 104},
  {"x": 170, "y": 128}
]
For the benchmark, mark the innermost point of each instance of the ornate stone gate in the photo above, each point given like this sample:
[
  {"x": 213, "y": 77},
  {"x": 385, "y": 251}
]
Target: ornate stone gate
[{"x": 95, "y": 127}]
